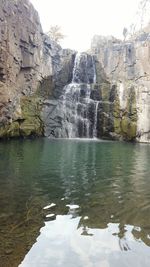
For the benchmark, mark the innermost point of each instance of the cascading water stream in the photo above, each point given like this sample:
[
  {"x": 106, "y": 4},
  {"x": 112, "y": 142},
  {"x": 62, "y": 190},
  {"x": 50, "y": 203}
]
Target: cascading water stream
[
  {"x": 79, "y": 109},
  {"x": 76, "y": 66},
  {"x": 94, "y": 69},
  {"x": 95, "y": 120}
]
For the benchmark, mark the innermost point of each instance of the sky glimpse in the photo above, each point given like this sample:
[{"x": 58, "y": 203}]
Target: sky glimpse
[{"x": 81, "y": 19}]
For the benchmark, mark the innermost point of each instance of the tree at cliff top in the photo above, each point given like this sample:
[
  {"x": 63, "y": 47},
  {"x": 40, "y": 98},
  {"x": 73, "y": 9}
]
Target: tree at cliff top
[
  {"x": 141, "y": 23},
  {"x": 55, "y": 33}
]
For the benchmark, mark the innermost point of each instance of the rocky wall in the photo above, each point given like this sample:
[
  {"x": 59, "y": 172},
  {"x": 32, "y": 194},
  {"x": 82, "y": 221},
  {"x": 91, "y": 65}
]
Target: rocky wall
[
  {"x": 126, "y": 65},
  {"x": 25, "y": 60}
]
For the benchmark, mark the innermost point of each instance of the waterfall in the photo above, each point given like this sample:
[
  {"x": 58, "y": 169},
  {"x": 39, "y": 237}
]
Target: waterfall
[
  {"x": 79, "y": 109},
  {"x": 95, "y": 120},
  {"x": 94, "y": 69},
  {"x": 76, "y": 67}
]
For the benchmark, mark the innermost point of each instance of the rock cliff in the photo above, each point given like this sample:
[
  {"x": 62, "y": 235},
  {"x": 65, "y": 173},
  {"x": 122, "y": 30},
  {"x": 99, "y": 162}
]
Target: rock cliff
[
  {"x": 126, "y": 100},
  {"x": 26, "y": 59}
]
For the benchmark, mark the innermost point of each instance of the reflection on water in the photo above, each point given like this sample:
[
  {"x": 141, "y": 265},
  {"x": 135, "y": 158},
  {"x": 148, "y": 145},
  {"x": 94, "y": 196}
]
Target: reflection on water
[
  {"x": 102, "y": 212},
  {"x": 63, "y": 243}
]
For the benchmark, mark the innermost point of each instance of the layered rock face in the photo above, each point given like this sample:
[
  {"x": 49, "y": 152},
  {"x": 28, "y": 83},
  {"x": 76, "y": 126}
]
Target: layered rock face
[
  {"x": 25, "y": 59},
  {"x": 126, "y": 100}
]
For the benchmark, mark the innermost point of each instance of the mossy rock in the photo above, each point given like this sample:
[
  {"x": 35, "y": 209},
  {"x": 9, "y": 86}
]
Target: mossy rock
[
  {"x": 10, "y": 130},
  {"x": 131, "y": 105},
  {"x": 117, "y": 125},
  {"x": 31, "y": 128},
  {"x": 128, "y": 129},
  {"x": 106, "y": 107},
  {"x": 105, "y": 90},
  {"x": 31, "y": 123},
  {"x": 116, "y": 109},
  {"x": 125, "y": 121}
]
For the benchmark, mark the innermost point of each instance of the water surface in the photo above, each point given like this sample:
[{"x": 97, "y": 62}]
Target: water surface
[{"x": 107, "y": 188}]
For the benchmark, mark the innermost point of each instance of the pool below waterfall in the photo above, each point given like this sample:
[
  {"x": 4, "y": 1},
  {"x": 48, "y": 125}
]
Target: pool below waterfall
[{"x": 74, "y": 203}]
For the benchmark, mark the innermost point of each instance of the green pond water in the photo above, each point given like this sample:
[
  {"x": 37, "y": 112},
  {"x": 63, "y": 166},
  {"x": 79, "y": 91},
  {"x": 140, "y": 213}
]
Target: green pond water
[{"x": 102, "y": 196}]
